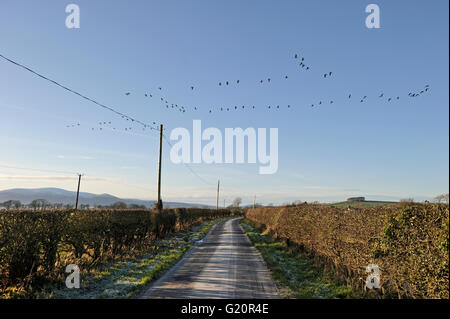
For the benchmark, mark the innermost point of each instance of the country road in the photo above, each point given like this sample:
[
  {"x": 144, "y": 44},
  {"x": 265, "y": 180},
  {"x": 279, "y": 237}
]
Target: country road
[{"x": 225, "y": 265}]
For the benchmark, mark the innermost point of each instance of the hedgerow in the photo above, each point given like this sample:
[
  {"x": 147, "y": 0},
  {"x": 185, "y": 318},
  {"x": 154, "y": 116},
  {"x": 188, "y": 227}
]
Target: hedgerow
[
  {"x": 36, "y": 246},
  {"x": 408, "y": 242}
]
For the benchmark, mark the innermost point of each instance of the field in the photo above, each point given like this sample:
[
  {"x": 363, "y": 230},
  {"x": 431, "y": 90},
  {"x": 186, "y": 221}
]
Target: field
[
  {"x": 408, "y": 242},
  {"x": 363, "y": 204}
]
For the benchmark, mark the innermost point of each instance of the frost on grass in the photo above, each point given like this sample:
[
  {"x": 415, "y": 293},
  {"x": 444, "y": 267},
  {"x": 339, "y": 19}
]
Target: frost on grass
[
  {"x": 125, "y": 279},
  {"x": 295, "y": 276}
]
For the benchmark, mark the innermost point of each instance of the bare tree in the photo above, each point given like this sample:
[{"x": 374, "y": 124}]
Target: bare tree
[
  {"x": 119, "y": 205},
  {"x": 39, "y": 203},
  {"x": 442, "y": 198},
  {"x": 237, "y": 202},
  {"x": 17, "y": 204}
]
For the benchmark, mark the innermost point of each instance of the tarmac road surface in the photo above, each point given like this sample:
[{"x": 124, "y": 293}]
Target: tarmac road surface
[{"x": 224, "y": 266}]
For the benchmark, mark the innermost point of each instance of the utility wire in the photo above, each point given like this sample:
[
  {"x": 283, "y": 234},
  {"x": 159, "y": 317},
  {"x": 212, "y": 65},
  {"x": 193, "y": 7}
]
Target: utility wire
[
  {"x": 188, "y": 167},
  {"x": 95, "y": 102},
  {"x": 77, "y": 93},
  {"x": 38, "y": 170}
]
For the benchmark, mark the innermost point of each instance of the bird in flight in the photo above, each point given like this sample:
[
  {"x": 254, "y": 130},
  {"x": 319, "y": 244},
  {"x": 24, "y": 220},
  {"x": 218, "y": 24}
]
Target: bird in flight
[
  {"x": 128, "y": 93},
  {"x": 295, "y": 56},
  {"x": 192, "y": 87}
]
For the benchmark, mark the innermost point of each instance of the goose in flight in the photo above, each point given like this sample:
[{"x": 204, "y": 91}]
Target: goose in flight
[{"x": 128, "y": 93}]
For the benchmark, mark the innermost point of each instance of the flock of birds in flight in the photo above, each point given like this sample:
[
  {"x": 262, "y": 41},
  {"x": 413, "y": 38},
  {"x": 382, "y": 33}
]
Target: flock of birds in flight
[{"x": 183, "y": 109}]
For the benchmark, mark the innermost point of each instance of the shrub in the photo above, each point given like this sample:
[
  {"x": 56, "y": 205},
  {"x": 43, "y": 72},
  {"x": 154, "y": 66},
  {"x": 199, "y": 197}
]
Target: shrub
[
  {"x": 39, "y": 243},
  {"x": 408, "y": 242}
]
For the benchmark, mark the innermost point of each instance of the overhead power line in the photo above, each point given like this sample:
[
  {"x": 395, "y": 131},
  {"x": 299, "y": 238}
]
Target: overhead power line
[
  {"x": 77, "y": 93},
  {"x": 95, "y": 102},
  {"x": 38, "y": 170}
]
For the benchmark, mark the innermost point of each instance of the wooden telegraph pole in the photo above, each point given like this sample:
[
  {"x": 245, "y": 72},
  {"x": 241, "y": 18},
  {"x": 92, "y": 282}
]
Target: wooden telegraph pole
[
  {"x": 78, "y": 191},
  {"x": 159, "y": 205},
  {"x": 217, "y": 199}
]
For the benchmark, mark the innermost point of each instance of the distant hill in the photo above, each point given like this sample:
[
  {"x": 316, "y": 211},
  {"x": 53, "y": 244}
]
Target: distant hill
[{"x": 58, "y": 195}]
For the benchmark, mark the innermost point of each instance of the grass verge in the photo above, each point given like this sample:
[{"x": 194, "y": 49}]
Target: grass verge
[
  {"x": 126, "y": 279},
  {"x": 295, "y": 276}
]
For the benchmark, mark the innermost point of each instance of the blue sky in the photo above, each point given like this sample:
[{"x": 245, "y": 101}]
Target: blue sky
[{"x": 377, "y": 149}]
